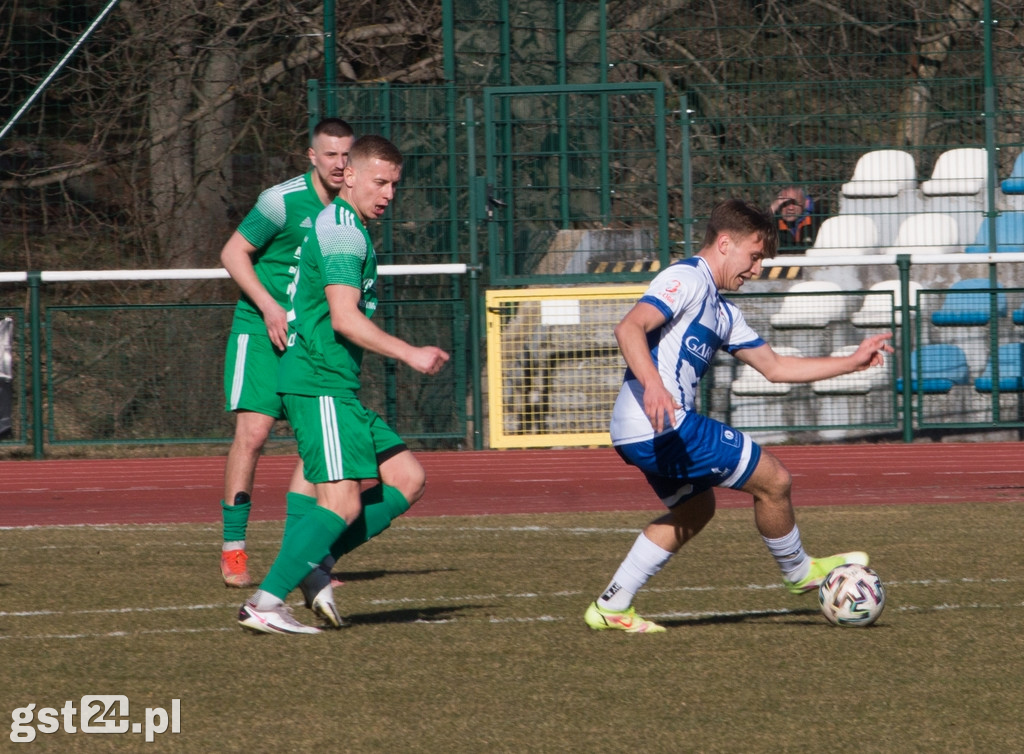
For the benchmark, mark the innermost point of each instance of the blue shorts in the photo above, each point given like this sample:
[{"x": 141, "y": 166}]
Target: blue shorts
[{"x": 702, "y": 453}]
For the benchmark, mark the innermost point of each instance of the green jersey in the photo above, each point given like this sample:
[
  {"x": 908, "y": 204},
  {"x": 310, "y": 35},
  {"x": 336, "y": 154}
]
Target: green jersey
[
  {"x": 282, "y": 217},
  {"x": 338, "y": 252}
]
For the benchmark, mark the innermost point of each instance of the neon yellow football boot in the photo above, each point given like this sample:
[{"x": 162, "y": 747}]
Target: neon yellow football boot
[
  {"x": 820, "y": 568},
  {"x": 600, "y": 619}
]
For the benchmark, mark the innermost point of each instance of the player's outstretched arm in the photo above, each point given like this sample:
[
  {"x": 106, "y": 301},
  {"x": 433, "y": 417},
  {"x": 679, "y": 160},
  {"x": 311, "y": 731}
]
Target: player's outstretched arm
[
  {"x": 348, "y": 321},
  {"x": 780, "y": 368}
]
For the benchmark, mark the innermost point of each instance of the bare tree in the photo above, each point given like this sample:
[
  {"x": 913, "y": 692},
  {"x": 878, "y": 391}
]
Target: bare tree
[{"x": 166, "y": 94}]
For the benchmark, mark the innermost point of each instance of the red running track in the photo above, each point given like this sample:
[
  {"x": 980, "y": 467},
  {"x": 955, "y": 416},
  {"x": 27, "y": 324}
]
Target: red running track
[{"x": 173, "y": 490}]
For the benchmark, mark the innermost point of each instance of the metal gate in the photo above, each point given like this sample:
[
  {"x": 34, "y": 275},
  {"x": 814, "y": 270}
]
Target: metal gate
[{"x": 577, "y": 182}]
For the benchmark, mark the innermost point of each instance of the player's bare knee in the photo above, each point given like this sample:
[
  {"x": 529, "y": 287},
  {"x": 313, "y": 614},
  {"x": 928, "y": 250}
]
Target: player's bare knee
[
  {"x": 414, "y": 487},
  {"x": 404, "y": 473}
]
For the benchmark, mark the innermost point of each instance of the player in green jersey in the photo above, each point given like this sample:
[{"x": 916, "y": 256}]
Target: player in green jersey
[
  {"x": 260, "y": 256},
  {"x": 341, "y": 442}
]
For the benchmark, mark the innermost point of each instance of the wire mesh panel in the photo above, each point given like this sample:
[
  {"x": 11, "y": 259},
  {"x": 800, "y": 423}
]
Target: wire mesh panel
[
  {"x": 427, "y": 411},
  {"x": 554, "y": 369},
  {"x": 553, "y": 366},
  {"x": 156, "y": 374},
  {"x": 137, "y": 373},
  {"x": 812, "y": 319},
  {"x": 578, "y": 174},
  {"x": 966, "y": 365}
]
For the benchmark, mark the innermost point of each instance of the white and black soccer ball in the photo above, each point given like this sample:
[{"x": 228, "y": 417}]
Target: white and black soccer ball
[{"x": 851, "y": 595}]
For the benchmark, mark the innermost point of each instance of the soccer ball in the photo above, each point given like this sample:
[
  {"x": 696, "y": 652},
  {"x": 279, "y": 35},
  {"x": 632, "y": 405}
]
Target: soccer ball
[{"x": 851, "y": 595}]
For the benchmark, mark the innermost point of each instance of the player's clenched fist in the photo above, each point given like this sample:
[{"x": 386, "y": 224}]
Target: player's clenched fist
[{"x": 428, "y": 359}]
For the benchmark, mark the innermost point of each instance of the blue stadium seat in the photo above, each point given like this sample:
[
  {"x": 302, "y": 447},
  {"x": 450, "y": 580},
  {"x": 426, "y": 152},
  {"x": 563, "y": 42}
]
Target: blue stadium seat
[
  {"x": 968, "y": 308},
  {"x": 1015, "y": 183},
  {"x": 1018, "y": 316},
  {"x": 1009, "y": 234},
  {"x": 943, "y": 365},
  {"x": 1010, "y": 379}
]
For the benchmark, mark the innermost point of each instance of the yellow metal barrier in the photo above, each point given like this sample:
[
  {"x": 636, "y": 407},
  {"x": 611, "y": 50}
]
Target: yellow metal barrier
[{"x": 553, "y": 366}]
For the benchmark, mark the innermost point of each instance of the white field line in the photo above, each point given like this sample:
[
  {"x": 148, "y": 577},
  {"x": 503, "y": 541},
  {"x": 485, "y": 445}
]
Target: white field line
[
  {"x": 704, "y": 615},
  {"x": 507, "y": 597}
]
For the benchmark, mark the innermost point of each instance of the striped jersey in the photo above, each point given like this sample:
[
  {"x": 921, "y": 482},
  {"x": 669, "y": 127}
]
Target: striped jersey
[
  {"x": 698, "y": 322},
  {"x": 282, "y": 217},
  {"x": 338, "y": 251}
]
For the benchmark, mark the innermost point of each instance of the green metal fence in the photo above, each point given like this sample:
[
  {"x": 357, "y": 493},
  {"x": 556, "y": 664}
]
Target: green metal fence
[
  {"x": 145, "y": 374},
  {"x": 546, "y": 142}
]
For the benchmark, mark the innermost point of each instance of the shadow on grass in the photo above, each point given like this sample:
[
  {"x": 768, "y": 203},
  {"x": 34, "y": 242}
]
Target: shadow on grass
[
  {"x": 803, "y": 614},
  {"x": 411, "y": 615},
  {"x": 379, "y": 574}
]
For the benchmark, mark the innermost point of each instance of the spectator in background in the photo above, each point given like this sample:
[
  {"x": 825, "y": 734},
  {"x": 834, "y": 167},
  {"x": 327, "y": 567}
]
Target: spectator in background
[{"x": 794, "y": 216}]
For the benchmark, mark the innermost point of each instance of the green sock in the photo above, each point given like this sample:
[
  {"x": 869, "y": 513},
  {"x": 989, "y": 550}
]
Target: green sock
[
  {"x": 381, "y": 506},
  {"x": 236, "y": 518},
  {"x": 307, "y": 543},
  {"x": 298, "y": 506}
]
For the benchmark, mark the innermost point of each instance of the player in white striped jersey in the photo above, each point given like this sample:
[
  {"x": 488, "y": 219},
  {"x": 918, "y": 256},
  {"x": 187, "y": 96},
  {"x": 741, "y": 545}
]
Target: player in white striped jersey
[{"x": 668, "y": 340}]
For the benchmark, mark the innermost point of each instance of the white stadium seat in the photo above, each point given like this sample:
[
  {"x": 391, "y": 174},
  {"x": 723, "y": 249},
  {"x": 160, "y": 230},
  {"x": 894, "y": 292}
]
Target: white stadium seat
[
  {"x": 810, "y": 311},
  {"x": 845, "y": 235},
  {"x": 878, "y": 309},
  {"x": 883, "y": 172},
  {"x": 926, "y": 233},
  {"x": 958, "y": 172}
]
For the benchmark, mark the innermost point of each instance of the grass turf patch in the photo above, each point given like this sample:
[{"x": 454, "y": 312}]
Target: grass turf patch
[{"x": 468, "y": 637}]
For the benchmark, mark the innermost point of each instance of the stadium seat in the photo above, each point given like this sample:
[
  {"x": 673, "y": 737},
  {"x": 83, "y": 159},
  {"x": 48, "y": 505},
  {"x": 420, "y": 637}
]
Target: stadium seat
[
  {"x": 969, "y": 308},
  {"x": 749, "y": 381},
  {"x": 1015, "y": 183},
  {"x": 1010, "y": 378},
  {"x": 883, "y": 172},
  {"x": 1009, "y": 234},
  {"x": 927, "y": 233},
  {"x": 943, "y": 365},
  {"x": 845, "y": 235},
  {"x": 958, "y": 172},
  {"x": 800, "y": 309},
  {"x": 878, "y": 310},
  {"x": 855, "y": 383},
  {"x": 1018, "y": 316}
]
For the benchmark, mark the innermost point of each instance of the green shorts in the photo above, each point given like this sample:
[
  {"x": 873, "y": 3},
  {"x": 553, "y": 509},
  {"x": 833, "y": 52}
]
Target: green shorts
[
  {"x": 339, "y": 438},
  {"x": 250, "y": 375}
]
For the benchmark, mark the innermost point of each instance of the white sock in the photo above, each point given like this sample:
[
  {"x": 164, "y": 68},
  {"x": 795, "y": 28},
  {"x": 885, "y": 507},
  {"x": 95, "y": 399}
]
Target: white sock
[
  {"x": 264, "y": 600},
  {"x": 788, "y": 552},
  {"x": 643, "y": 561},
  {"x": 237, "y": 545}
]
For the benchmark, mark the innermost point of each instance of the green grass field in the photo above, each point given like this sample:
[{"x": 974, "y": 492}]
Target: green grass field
[{"x": 468, "y": 637}]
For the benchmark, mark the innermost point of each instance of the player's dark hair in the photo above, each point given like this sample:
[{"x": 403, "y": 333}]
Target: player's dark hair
[
  {"x": 743, "y": 219},
  {"x": 376, "y": 147},
  {"x": 333, "y": 127}
]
